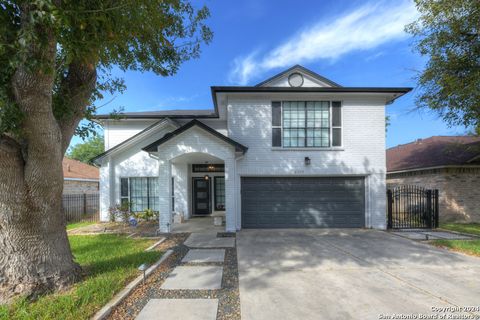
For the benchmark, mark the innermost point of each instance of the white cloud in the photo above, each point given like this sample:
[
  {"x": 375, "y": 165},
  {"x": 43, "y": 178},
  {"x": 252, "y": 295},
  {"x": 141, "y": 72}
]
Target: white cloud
[{"x": 363, "y": 28}]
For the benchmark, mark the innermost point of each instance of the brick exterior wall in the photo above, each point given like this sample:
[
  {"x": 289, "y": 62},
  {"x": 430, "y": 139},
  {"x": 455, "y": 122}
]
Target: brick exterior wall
[
  {"x": 459, "y": 190},
  {"x": 79, "y": 187}
]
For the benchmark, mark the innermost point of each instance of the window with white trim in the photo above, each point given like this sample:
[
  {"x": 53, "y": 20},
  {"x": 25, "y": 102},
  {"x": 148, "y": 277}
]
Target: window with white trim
[
  {"x": 306, "y": 124},
  {"x": 141, "y": 192}
]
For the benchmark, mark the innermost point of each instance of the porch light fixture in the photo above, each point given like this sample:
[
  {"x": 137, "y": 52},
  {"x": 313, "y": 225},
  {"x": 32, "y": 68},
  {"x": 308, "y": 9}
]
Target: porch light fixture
[
  {"x": 206, "y": 177},
  {"x": 307, "y": 161}
]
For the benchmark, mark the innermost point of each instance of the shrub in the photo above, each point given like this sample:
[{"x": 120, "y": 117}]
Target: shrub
[
  {"x": 120, "y": 212},
  {"x": 148, "y": 214}
]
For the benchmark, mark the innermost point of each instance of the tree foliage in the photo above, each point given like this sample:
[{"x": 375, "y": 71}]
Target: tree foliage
[
  {"x": 56, "y": 58},
  {"x": 85, "y": 151},
  {"x": 448, "y": 34},
  {"x": 140, "y": 35}
]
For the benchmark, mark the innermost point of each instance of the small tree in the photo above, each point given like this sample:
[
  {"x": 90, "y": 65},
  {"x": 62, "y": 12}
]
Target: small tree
[
  {"x": 85, "y": 151},
  {"x": 56, "y": 57},
  {"x": 448, "y": 35}
]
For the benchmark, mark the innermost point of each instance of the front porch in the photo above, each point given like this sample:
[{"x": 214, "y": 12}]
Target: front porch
[
  {"x": 197, "y": 177},
  {"x": 197, "y": 225}
]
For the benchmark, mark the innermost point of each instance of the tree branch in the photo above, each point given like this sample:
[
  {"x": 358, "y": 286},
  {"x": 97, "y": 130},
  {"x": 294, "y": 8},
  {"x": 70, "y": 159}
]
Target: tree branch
[{"x": 74, "y": 94}]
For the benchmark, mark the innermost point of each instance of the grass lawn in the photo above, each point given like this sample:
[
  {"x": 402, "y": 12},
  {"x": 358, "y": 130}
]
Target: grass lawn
[
  {"x": 75, "y": 225},
  {"x": 109, "y": 261},
  {"x": 472, "y": 228},
  {"x": 471, "y": 247}
]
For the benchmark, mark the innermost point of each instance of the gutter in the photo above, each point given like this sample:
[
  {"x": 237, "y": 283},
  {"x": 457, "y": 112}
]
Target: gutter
[
  {"x": 433, "y": 168},
  {"x": 397, "y": 91}
]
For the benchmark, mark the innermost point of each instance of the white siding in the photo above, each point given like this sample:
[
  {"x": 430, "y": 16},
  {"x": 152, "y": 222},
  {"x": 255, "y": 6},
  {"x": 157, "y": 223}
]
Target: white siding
[
  {"x": 132, "y": 162},
  {"x": 249, "y": 122},
  {"x": 193, "y": 141},
  {"x": 117, "y": 131},
  {"x": 307, "y": 82},
  {"x": 363, "y": 151}
]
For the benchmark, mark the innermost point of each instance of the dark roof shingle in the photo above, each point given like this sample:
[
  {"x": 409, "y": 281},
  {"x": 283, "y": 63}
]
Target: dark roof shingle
[{"x": 432, "y": 152}]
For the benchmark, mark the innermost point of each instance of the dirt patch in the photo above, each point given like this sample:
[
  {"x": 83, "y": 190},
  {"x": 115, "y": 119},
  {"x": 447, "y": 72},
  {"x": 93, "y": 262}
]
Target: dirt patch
[{"x": 143, "y": 229}]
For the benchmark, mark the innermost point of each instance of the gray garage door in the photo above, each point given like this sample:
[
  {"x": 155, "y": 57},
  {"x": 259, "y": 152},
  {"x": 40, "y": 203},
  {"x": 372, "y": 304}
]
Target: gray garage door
[{"x": 303, "y": 202}]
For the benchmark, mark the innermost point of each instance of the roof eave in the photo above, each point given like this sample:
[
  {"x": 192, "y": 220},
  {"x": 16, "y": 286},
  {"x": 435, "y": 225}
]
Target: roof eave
[
  {"x": 452, "y": 166},
  {"x": 399, "y": 91}
]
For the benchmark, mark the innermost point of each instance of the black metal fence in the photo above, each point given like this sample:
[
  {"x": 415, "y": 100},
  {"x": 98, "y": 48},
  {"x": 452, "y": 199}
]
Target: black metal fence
[
  {"x": 412, "y": 207},
  {"x": 81, "y": 207}
]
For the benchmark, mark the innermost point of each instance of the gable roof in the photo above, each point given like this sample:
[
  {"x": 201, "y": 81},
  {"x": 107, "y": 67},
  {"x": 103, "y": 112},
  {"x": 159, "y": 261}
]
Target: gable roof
[
  {"x": 435, "y": 151},
  {"x": 153, "y": 146},
  {"x": 74, "y": 169},
  {"x": 134, "y": 138},
  {"x": 301, "y": 69},
  {"x": 390, "y": 93}
]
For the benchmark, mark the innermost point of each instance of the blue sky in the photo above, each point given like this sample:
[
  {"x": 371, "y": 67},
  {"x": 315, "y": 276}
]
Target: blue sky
[{"x": 354, "y": 43}]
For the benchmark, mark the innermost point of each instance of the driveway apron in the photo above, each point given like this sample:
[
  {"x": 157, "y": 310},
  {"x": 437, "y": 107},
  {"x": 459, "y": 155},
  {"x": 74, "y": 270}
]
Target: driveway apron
[{"x": 348, "y": 274}]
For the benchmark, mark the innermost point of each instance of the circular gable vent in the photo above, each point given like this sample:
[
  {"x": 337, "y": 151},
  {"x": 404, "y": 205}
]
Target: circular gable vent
[{"x": 295, "y": 80}]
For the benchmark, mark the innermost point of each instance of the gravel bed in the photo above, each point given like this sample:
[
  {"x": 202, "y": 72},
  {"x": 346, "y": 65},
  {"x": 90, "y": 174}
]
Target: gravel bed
[{"x": 228, "y": 296}]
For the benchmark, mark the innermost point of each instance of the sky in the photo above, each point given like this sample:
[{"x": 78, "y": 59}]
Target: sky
[{"x": 353, "y": 43}]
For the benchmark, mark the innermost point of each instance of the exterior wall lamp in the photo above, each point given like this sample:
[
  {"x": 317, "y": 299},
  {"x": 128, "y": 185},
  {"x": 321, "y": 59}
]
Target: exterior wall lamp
[
  {"x": 307, "y": 161},
  {"x": 206, "y": 177}
]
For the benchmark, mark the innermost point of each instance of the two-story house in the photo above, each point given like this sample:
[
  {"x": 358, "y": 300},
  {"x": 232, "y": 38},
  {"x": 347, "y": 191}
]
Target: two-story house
[{"x": 294, "y": 151}]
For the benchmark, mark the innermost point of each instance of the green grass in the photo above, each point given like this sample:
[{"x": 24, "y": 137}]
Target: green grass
[
  {"x": 472, "y": 228},
  {"x": 471, "y": 247},
  {"x": 110, "y": 261},
  {"x": 75, "y": 225}
]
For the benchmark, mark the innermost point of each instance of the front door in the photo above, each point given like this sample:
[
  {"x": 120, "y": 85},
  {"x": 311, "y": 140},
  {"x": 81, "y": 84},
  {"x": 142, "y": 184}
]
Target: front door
[{"x": 201, "y": 196}]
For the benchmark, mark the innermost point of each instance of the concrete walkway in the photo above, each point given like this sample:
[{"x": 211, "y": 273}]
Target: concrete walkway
[
  {"x": 349, "y": 274},
  {"x": 192, "y": 275}
]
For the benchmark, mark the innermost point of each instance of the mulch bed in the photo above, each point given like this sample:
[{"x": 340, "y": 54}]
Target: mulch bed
[{"x": 228, "y": 296}]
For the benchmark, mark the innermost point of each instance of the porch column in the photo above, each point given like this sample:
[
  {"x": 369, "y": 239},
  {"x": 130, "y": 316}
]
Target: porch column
[
  {"x": 165, "y": 199},
  {"x": 230, "y": 206}
]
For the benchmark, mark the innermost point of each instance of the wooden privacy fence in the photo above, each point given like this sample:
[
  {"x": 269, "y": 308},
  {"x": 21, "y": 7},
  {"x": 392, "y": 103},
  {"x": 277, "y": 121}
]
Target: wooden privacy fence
[
  {"x": 81, "y": 207},
  {"x": 412, "y": 207}
]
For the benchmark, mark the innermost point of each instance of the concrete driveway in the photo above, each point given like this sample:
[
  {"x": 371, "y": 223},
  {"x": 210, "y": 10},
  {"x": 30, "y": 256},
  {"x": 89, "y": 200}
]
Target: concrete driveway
[{"x": 349, "y": 274}]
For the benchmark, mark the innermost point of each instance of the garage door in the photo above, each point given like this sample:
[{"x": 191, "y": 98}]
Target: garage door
[{"x": 303, "y": 202}]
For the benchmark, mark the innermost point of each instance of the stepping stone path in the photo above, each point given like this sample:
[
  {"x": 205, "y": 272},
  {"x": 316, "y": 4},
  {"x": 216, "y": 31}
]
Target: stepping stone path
[
  {"x": 209, "y": 240},
  {"x": 205, "y": 255},
  {"x": 194, "y": 278},
  {"x": 208, "y": 249},
  {"x": 180, "y": 309}
]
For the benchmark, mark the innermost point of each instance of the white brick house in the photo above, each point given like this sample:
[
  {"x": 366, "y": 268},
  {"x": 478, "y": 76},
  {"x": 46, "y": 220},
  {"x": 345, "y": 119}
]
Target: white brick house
[{"x": 296, "y": 150}]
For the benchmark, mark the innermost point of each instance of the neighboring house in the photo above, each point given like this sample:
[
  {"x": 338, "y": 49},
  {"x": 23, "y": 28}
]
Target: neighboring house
[
  {"x": 294, "y": 151},
  {"x": 79, "y": 177},
  {"x": 449, "y": 164}
]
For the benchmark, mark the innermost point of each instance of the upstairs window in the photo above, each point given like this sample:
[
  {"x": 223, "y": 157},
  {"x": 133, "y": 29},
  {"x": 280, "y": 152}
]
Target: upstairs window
[{"x": 306, "y": 124}]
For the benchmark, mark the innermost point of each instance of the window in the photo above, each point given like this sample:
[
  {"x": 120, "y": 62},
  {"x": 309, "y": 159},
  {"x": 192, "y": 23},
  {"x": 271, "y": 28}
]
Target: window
[
  {"x": 306, "y": 124},
  {"x": 219, "y": 193},
  {"x": 142, "y": 193},
  {"x": 208, "y": 167}
]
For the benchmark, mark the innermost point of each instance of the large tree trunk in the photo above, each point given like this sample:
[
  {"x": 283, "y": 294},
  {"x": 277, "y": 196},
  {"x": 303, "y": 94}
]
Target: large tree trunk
[{"x": 35, "y": 255}]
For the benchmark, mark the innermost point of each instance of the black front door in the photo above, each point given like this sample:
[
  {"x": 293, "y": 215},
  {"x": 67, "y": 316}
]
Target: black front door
[{"x": 201, "y": 196}]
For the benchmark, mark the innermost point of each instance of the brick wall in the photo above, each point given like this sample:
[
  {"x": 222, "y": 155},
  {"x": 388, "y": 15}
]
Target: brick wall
[
  {"x": 78, "y": 187},
  {"x": 459, "y": 190}
]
